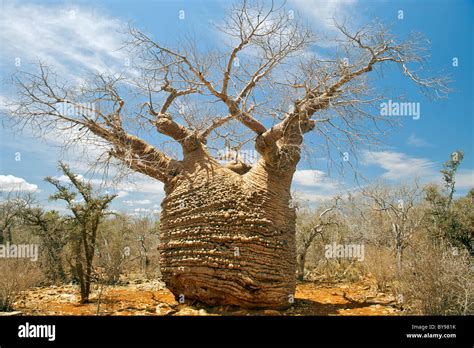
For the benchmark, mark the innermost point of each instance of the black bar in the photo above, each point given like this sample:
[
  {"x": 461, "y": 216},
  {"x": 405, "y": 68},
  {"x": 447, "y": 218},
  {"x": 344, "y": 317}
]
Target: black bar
[{"x": 139, "y": 331}]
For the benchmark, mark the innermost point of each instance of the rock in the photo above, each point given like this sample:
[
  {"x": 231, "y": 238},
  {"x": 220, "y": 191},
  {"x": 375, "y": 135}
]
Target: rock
[
  {"x": 271, "y": 312},
  {"x": 10, "y": 314},
  {"x": 163, "y": 309},
  {"x": 187, "y": 312},
  {"x": 67, "y": 297}
]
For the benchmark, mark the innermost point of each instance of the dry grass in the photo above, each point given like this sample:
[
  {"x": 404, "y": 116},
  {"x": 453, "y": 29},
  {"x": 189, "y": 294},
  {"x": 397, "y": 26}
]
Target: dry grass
[
  {"x": 16, "y": 275},
  {"x": 438, "y": 281}
]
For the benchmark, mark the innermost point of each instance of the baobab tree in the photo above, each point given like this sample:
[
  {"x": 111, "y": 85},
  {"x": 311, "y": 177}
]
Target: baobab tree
[{"x": 227, "y": 229}]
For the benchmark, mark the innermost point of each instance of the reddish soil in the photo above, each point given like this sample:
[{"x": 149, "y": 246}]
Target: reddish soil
[{"x": 151, "y": 298}]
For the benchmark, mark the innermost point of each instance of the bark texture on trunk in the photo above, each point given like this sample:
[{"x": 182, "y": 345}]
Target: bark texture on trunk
[{"x": 226, "y": 238}]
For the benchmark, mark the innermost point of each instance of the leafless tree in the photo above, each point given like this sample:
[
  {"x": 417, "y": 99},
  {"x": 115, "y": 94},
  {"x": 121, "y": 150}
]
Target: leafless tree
[
  {"x": 400, "y": 206},
  {"x": 53, "y": 232},
  {"x": 309, "y": 231},
  {"x": 11, "y": 211}
]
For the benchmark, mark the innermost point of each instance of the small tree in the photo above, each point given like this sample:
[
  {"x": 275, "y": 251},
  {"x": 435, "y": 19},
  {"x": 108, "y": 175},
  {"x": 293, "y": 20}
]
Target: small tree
[
  {"x": 399, "y": 206},
  {"x": 114, "y": 252},
  {"x": 450, "y": 220},
  {"x": 87, "y": 215},
  {"x": 11, "y": 210},
  {"x": 53, "y": 231},
  {"x": 307, "y": 231},
  {"x": 449, "y": 174}
]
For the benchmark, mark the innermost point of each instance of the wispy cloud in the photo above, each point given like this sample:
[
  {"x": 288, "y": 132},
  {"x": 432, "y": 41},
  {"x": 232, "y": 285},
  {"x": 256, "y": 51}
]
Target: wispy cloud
[
  {"x": 70, "y": 38},
  {"x": 121, "y": 194},
  {"x": 323, "y": 12},
  {"x": 137, "y": 202},
  {"x": 73, "y": 39},
  {"x": 398, "y": 165},
  {"x": 138, "y": 183},
  {"x": 315, "y": 186},
  {"x": 415, "y": 141},
  {"x": 65, "y": 179},
  {"x": 316, "y": 178},
  {"x": 134, "y": 183},
  {"x": 139, "y": 189},
  {"x": 311, "y": 196},
  {"x": 143, "y": 211},
  {"x": 465, "y": 179}
]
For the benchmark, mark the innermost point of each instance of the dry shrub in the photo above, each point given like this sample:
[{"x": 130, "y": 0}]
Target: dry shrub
[
  {"x": 336, "y": 270},
  {"x": 16, "y": 275},
  {"x": 112, "y": 257},
  {"x": 381, "y": 263},
  {"x": 438, "y": 280},
  {"x": 127, "y": 246}
]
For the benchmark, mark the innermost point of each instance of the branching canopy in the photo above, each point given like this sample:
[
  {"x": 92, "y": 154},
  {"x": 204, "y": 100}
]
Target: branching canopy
[{"x": 270, "y": 87}]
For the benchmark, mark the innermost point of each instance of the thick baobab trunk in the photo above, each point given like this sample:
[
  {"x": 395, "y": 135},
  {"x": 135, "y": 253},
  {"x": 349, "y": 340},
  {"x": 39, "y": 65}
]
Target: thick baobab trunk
[{"x": 226, "y": 238}]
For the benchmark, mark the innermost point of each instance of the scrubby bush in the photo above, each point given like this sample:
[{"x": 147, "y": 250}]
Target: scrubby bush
[
  {"x": 381, "y": 263},
  {"x": 114, "y": 248},
  {"x": 438, "y": 280},
  {"x": 16, "y": 275}
]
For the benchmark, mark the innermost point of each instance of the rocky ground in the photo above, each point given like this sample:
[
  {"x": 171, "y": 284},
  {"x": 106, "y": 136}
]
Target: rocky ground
[{"x": 152, "y": 298}]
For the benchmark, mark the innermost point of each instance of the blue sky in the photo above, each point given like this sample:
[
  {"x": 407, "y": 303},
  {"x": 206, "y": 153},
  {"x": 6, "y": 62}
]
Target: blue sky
[{"x": 75, "y": 35}]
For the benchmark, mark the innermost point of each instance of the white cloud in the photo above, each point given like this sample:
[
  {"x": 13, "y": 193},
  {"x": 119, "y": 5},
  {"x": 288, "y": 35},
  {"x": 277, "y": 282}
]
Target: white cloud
[
  {"x": 12, "y": 183},
  {"x": 137, "y": 202},
  {"x": 413, "y": 140},
  {"x": 64, "y": 178},
  {"x": 4, "y": 104},
  {"x": 465, "y": 179},
  {"x": 308, "y": 177},
  {"x": 144, "y": 211},
  {"x": 134, "y": 183},
  {"x": 121, "y": 194},
  {"x": 398, "y": 165},
  {"x": 72, "y": 39},
  {"x": 312, "y": 197},
  {"x": 326, "y": 187},
  {"x": 66, "y": 37},
  {"x": 141, "y": 184},
  {"x": 323, "y": 12}
]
